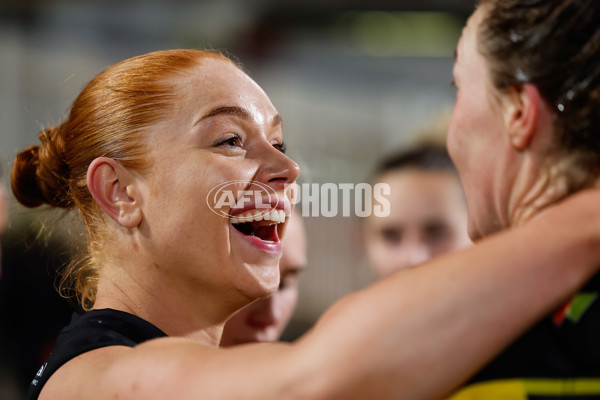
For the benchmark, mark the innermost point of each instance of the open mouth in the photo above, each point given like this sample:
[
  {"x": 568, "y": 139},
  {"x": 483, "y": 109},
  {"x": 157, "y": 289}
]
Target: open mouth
[{"x": 260, "y": 224}]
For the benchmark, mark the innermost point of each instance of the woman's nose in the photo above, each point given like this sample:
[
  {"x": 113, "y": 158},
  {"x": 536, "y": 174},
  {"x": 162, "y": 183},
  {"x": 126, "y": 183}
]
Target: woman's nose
[{"x": 276, "y": 168}]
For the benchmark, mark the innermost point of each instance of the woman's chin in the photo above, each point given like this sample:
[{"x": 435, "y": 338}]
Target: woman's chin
[{"x": 263, "y": 280}]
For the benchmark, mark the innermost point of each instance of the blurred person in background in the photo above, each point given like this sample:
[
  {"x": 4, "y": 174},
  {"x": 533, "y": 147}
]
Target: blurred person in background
[
  {"x": 265, "y": 319},
  {"x": 428, "y": 213},
  {"x": 525, "y": 134}
]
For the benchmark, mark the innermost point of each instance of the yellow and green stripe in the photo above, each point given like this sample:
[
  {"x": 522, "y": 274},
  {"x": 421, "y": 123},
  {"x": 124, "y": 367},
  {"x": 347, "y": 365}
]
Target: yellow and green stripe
[{"x": 521, "y": 389}]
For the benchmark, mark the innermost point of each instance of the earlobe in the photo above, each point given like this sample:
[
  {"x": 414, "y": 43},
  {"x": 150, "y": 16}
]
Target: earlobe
[
  {"x": 111, "y": 187},
  {"x": 521, "y": 109}
]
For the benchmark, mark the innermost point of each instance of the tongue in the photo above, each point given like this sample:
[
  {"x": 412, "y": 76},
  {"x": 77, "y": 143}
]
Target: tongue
[{"x": 267, "y": 233}]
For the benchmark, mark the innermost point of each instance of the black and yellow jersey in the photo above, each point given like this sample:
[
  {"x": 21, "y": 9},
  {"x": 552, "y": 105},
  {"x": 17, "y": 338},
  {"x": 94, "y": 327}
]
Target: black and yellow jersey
[{"x": 558, "y": 359}]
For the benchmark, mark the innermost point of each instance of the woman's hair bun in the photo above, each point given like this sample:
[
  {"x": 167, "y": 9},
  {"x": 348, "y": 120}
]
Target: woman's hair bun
[{"x": 40, "y": 174}]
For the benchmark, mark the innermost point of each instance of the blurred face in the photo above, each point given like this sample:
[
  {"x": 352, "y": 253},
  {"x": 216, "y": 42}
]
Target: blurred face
[
  {"x": 265, "y": 319},
  {"x": 428, "y": 217},
  {"x": 476, "y": 142},
  {"x": 224, "y": 128}
]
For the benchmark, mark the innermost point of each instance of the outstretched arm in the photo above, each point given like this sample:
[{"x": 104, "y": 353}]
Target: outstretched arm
[{"x": 427, "y": 329}]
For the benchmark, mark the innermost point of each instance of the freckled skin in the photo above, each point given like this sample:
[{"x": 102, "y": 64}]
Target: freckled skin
[{"x": 190, "y": 155}]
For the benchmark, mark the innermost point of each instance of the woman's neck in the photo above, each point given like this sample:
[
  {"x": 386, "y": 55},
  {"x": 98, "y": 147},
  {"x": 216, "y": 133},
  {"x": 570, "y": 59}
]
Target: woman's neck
[
  {"x": 160, "y": 303},
  {"x": 549, "y": 187}
]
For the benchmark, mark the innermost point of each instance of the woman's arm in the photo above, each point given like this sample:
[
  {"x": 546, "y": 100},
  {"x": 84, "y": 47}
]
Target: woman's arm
[
  {"x": 427, "y": 329},
  {"x": 415, "y": 335}
]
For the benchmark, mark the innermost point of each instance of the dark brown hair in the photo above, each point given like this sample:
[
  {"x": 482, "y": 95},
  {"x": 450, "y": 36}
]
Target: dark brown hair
[
  {"x": 555, "y": 45},
  {"x": 106, "y": 120},
  {"x": 426, "y": 157}
]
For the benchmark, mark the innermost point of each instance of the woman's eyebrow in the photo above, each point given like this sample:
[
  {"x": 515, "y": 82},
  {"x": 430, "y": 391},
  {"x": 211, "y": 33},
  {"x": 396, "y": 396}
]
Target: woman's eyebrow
[
  {"x": 227, "y": 110},
  {"x": 237, "y": 111}
]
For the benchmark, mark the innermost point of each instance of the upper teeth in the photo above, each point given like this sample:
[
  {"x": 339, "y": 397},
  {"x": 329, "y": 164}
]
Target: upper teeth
[{"x": 277, "y": 216}]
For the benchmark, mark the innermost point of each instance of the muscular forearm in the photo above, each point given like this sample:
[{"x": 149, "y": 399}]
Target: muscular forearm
[{"x": 421, "y": 332}]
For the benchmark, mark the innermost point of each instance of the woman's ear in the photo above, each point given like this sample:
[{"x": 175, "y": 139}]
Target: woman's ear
[
  {"x": 521, "y": 107},
  {"x": 111, "y": 186}
]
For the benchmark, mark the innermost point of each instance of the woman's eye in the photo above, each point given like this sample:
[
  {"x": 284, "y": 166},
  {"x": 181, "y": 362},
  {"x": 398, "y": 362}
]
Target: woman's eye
[
  {"x": 281, "y": 147},
  {"x": 234, "y": 141}
]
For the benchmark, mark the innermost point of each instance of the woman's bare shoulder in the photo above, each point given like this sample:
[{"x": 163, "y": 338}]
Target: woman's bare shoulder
[
  {"x": 88, "y": 375},
  {"x": 175, "y": 368}
]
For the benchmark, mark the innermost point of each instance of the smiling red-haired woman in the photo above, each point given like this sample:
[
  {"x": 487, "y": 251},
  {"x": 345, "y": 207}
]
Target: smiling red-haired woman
[{"x": 145, "y": 142}]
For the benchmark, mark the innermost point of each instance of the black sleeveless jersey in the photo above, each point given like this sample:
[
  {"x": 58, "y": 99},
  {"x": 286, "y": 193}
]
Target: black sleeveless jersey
[
  {"x": 89, "y": 331},
  {"x": 557, "y": 359}
]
